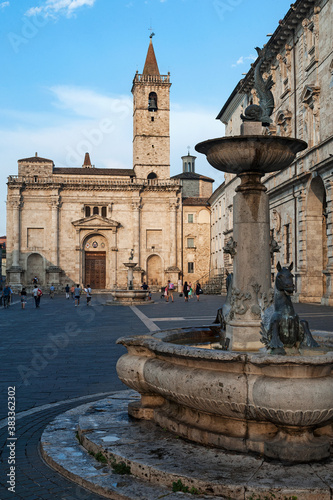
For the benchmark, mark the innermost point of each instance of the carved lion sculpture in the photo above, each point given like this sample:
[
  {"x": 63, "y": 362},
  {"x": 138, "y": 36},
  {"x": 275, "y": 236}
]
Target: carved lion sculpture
[{"x": 281, "y": 326}]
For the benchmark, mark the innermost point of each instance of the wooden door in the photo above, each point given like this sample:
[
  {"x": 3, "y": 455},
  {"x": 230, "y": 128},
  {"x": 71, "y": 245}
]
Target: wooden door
[{"x": 95, "y": 269}]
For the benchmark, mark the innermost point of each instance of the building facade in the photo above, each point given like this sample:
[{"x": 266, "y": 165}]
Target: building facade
[
  {"x": 196, "y": 191},
  {"x": 80, "y": 224},
  {"x": 301, "y": 197}
]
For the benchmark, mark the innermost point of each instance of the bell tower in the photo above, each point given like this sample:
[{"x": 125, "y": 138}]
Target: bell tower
[{"x": 151, "y": 130}]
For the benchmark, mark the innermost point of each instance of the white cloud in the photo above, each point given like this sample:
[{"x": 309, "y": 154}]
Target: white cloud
[
  {"x": 54, "y": 8},
  {"x": 243, "y": 59},
  {"x": 4, "y": 4}
]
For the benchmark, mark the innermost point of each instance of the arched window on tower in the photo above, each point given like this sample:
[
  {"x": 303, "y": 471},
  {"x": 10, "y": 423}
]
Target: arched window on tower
[
  {"x": 152, "y": 177},
  {"x": 95, "y": 211},
  {"x": 152, "y": 101}
]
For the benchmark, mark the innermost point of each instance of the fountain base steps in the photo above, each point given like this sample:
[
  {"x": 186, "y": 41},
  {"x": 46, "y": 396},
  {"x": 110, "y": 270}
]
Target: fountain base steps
[{"x": 85, "y": 444}]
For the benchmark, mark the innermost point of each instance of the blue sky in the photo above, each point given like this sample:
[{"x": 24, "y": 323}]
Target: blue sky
[{"x": 68, "y": 65}]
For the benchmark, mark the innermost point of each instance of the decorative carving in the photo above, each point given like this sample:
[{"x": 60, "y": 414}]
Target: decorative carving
[
  {"x": 255, "y": 308},
  {"x": 273, "y": 245},
  {"x": 283, "y": 121},
  {"x": 230, "y": 247},
  {"x": 238, "y": 302},
  {"x": 297, "y": 418},
  {"x": 310, "y": 99},
  {"x": 131, "y": 257},
  {"x": 281, "y": 326},
  {"x": 276, "y": 218}
]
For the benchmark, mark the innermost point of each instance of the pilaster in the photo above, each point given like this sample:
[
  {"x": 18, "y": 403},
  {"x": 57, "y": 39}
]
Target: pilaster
[{"x": 328, "y": 272}]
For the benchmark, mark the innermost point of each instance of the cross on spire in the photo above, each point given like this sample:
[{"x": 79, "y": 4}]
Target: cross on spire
[{"x": 151, "y": 32}]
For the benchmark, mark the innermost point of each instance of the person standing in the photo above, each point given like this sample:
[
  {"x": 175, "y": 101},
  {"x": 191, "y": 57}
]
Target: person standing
[
  {"x": 170, "y": 288},
  {"x": 67, "y": 290},
  {"x": 198, "y": 290},
  {"x": 52, "y": 289},
  {"x": 186, "y": 289},
  {"x": 37, "y": 293},
  {"x": 88, "y": 292},
  {"x": 72, "y": 291},
  {"x": 77, "y": 294},
  {"x": 23, "y": 298},
  {"x": 6, "y": 294}
]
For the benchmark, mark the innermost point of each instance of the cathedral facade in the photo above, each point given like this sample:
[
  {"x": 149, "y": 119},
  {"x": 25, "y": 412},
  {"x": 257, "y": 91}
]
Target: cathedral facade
[
  {"x": 301, "y": 196},
  {"x": 80, "y": 224}
]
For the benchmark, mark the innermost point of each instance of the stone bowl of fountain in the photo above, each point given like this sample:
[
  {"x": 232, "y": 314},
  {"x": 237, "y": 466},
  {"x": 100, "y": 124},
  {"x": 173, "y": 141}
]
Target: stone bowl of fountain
[{"x": 246, "y": 153}]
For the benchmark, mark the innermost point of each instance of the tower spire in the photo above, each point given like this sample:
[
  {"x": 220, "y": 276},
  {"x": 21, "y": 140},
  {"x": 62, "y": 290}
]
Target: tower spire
[{"x": 151, "y": 66}]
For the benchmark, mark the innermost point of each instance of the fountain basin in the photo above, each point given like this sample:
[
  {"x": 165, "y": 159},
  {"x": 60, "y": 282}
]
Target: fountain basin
[
  {"x": 130, "y": 297},
  {"x": 278, "y": 406},
  {"x": 257, "y": 153}
]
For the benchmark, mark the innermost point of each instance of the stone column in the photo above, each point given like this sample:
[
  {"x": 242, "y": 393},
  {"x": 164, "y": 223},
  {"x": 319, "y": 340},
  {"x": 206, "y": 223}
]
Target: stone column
[
  {"x": 16, "y": 230},
  {"x": 14, "y": 272},
  {"x": 114, "y": 259},
  {"x": 173, "y": 271},
  {"x": 327, "y": 299},
  {"x": 251, "y": 264},
  {"x": 173, "y": 234},
  {"x": 53, "y": 269},
  {"x": 301, "y": 217},
  {"x": 136, "y": 208},
  {"x": 55, "y": 231}
]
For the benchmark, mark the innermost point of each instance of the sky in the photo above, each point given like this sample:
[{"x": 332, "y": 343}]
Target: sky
[{"x": 68, "y": 66}]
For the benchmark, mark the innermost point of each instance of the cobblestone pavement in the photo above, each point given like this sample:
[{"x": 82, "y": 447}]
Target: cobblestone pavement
[{"x": 59, "y": 353}]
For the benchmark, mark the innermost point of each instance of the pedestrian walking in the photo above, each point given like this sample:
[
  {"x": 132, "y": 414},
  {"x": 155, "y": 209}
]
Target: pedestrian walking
[
  {"x": 37, "y": 294},
  {"x": 186, "y": 289},
  {"x": 170, "y": 288},
  {"x": 88, "y": 292},
  {"x": 52, "y": 289},
  {"x": 77, "y": 294},
  {"x": 67, "y": 290},
  {"x": 72, "y": 291},
  {"x": 6, "y": 294},
  {"x": 190, "y": 293},
  {"x": 198, "y": 290},
  {"x": 23, "y": 298}
]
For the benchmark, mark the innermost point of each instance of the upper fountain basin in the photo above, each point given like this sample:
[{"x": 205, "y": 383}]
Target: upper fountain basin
[{"x": 251, "y": 153}]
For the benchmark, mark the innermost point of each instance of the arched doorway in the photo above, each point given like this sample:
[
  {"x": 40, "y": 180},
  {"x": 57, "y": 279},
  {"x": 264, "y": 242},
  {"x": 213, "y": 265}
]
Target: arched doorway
[
  {"x": 94, "y": 262},
  {"x": 154, "y": 271},
  {"x": 316, "y": 241},
  {"x": 35, "y": 267}
]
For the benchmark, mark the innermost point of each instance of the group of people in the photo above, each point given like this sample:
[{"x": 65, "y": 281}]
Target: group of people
[
  {"x": 187, "y": 291},
  {"x": 6, "y": 293}
]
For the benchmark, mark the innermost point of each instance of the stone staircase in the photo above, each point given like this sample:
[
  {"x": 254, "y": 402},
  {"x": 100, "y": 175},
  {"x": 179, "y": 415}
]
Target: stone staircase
[{"x": 213, "y": 283}]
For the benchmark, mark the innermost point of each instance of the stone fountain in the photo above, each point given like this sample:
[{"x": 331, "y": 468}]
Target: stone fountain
[
  {"x": 129, "y": 296},
  {"x": 277, "y": 400}
]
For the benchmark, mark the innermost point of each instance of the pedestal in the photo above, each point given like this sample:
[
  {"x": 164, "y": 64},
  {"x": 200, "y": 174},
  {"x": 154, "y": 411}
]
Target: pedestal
[
  {"x": 14, "y": 278},
  {"x": 53, "y": 276},
  {"x": 251, "y": 266},
  {"x": 130, "y": 267}
]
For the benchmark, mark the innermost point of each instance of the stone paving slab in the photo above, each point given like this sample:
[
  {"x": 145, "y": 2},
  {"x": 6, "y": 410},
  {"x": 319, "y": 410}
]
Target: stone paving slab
[{"x": 159, "y": 458}]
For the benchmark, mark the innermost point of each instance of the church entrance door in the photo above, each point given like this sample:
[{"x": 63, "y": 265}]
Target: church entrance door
[{"x": 95, "y": 269}]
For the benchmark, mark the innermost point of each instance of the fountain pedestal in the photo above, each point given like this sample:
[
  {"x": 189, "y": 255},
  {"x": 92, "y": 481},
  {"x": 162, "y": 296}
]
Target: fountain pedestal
[
  {"x": 251, "y": 262},
  {"x": 129, "y": 296}
]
